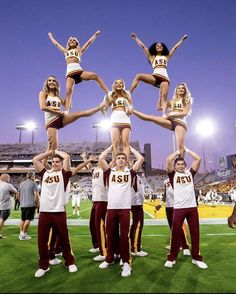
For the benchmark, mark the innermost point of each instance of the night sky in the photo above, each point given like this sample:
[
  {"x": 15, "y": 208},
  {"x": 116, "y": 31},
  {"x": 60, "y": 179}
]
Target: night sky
[{"x": 205, "y": 61}]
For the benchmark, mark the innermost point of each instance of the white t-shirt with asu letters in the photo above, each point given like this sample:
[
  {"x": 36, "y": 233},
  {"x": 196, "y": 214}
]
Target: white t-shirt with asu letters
[
  {"x": 53, "y": 194},
  {"x": 120, "y": 188},
  {"x": 182, "y": 183},
  {"x": 98, "y": 185}
]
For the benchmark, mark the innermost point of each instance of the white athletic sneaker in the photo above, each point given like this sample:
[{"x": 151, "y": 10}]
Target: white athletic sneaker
[
  {"x": 58, "y": 254},
  {"x": 186, "y": 252},
  {"x": 168, "y": 247},
  {"x": 78, "y": 213},
  {"x": 105, "y": 264},
  {"x": 40, "y": 272},
  {"x": 140, "y": 253},
  {"x": 169, "y": 263},
  {"x": 200, "y": 264},
  {"x": 94, "y": 250},
  {"x": 72, "y": 268},
  {"x": 121, "y": 262},
  {"x": 55, "y": 261},
  {"x": 24, "y": 237},
  {"x": 99, "y": 258},
  {"x": 126, "y": 270},
  {"x": 116, "y": 256}
]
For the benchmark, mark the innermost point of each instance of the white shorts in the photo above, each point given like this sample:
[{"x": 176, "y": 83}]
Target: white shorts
[
  {"x": 120, "y": 119},
  {"x": 73, "y": 68},
  {"x": 75, "y": 201},
  {"x": 179, "y": 121},
  {"x": 162, "y": 73}
]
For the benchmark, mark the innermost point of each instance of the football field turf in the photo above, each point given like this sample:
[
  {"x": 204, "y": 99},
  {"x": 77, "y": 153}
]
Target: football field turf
[{"x": 19, "y": 261}]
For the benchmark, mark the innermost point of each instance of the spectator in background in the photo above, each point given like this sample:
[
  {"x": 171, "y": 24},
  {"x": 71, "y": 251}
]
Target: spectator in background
[
  {"x": 28, "y": 196},
  {"x": 7, "y": 191}
]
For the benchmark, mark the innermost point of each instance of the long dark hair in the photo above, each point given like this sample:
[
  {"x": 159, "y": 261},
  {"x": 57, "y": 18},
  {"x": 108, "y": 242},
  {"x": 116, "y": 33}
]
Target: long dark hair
[{"x": 153, "y": 51}]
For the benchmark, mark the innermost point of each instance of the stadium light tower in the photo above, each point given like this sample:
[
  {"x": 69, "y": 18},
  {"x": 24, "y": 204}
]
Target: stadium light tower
[
  {"x": 205, "y": 129},
  {"x": 105, "y": 125},
  {"x": 30, "y": 126}
]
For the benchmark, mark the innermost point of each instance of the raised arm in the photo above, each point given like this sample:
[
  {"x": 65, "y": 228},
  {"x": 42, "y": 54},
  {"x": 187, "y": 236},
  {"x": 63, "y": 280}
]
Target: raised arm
[
  {"x": 37, "y": 161},
  {"x": 170, "y": 161},
  {"x": 197, "y": 159},
  {"x": 44, "y": 107},
  {"x": 66, "y": 159},
  {"x": 90, "y": 41},
  {"x": 140, "y": 43},
  {"x": 80, "y": 166},
  {"x": 172, "y": 51},
  {"x": 102, "y": 159},
  {"x": 56, "y": 43},
  {"x": 139, "y": 159}
]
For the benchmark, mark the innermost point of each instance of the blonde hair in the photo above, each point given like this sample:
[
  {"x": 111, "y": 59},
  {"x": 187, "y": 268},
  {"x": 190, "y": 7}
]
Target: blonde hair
[
  {"x": 46, "y": 89},
  {"x": 123, "y": 92},
  {"x": 186, "y": 99}
]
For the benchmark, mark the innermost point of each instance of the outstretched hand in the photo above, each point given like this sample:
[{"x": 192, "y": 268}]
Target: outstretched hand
[
  {"x": 97, "y": 33},
  {"x": 133, "y": 35},
  {"x": 185, "y": 37},
  {"x": 50, "y": 35}
]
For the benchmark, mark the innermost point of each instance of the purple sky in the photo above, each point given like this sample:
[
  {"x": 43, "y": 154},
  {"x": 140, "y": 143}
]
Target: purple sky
[{"x": 205, "y": 61}]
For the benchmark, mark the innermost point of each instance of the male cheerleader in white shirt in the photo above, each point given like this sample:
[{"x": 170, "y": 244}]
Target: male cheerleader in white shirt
[
  {"x": 168, "y": 197},
  {"x": 52, "y": 208},
  {"x": 137, "y": 217},
  {"x": 185, "y": 206},
  {"x": 120, "y": 180},
  {"x": 98, "y": 211}
]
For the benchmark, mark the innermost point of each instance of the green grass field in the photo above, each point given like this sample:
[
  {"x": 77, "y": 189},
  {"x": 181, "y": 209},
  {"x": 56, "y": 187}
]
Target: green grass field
[{"x": 19, "y": 261}]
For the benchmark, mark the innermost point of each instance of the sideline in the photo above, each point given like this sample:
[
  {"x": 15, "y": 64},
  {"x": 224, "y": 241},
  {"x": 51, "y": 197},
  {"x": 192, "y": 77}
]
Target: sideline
[{"x": 149, "y": 222}]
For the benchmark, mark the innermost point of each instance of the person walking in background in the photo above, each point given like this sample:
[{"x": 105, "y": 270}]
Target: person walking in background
[
  {"x": 158, "y": 55},
  {"x": 7, "y": 191},
  {"x": 185, "y": 206},
  {"x": 28, "y": 196},
  {"x": 75, "y": 192},
  {"x": 52, "y": 208},
  {"x": 75, "y": 73}
]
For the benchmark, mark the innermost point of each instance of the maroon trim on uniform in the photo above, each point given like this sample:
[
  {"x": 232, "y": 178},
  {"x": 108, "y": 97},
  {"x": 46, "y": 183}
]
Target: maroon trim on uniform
[
  {"x": 193, "y": 172},
  {"x": 174, "y": 124},
  {"x": 171, "y": 178},
  {"x": 41, "y": 173},
  {"x": 106, "y": 175},
  {"x": 159, "y": 80},
  {"x": 66, "y": 177},
  {"x": 56, "y": 124},
  {"x": 76, "y": 76},
  {"x": 133, "y": 175},
  {"x": 135, "y": 185}
]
